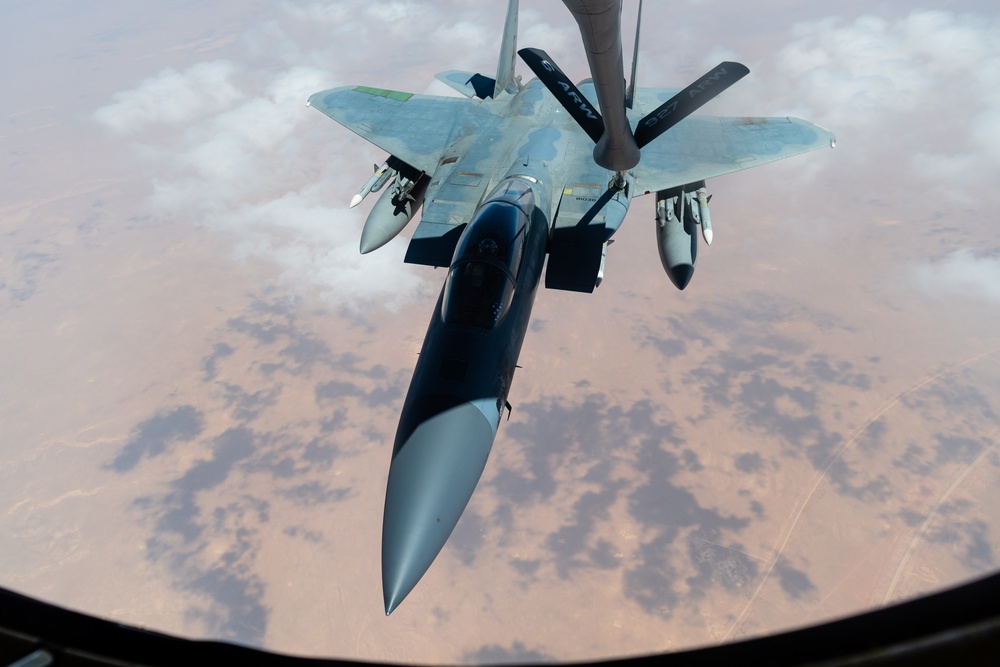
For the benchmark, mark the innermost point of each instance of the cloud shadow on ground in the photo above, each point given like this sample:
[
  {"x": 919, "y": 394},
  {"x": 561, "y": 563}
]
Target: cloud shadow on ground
[
  {"x": 156, "y": 435},
  {"x": 620, "y": 459}
]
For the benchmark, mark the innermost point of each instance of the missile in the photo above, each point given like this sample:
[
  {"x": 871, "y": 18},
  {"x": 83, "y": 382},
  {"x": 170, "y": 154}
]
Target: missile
[
  {"x": 388, "y": 172},
  {"x": 373, "y": 184},
  {"x": 393, "y": 210},
  {"x": 706, "y": 219}
]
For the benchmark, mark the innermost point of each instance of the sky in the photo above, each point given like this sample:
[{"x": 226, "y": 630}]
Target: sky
[{"x": 201, "y": 376}]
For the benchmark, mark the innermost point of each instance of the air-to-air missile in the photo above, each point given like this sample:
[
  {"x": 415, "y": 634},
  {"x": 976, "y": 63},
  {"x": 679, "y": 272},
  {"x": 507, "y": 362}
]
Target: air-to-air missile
[
  {"x": 374, "y": 183},
  {"x": 704, "y": 214}
]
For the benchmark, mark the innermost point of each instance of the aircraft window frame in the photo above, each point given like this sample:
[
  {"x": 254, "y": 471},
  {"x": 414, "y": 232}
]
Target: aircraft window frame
[
  {"x": 488, "y": 224},
  {"x": 483, "y": 300},
  {"x": 480, "y": 306},
  {"x": 514, "y": 191}
]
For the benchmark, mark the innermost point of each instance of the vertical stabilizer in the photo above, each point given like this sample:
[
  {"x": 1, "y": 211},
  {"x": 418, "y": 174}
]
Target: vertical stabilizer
[{"x": 508, "y": 52}]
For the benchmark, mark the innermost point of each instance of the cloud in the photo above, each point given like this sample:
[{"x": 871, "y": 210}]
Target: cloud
[
  {"x": 317, "y": 245},
  {"x": 963, "y": 274},
  {"x": 916, "y": 95},
  {"x": 261, "y": 166},
  {"x": 242, "y": 155},
  {"x": 910, "y": 96},
  {"x": 172, "y": 98},
  {"x": 978, "y": 160},
  {"x": 875, "y": 69}
]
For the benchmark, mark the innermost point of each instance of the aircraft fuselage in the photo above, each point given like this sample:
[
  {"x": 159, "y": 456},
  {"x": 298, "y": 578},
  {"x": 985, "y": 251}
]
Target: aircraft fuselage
[{"x": 459, "y": 387}]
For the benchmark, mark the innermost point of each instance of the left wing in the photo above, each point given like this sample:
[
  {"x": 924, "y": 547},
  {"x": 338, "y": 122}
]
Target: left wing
[
  {"x": 415, "y": 128},
  {"x": 701, "y": 147}
]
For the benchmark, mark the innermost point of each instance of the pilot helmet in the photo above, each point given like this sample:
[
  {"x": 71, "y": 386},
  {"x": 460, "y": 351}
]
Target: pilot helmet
[{"x": 488, "y": 247}]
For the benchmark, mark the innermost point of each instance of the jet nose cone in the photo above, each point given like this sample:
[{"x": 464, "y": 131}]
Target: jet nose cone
[
  {"x": 431, "y": 478},
  {"x": 680, "y": 275}
]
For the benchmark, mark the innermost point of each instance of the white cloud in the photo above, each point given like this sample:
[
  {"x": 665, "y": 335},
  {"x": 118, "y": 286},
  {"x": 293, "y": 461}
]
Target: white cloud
[
  {"x": 916, "y": 95},
  {"x": 268, "y": 41},
  {"x": 172, "y": 98},
  {"x": 854, "y": 73},
  {"x": 976, "y": 160},
  {"x": 964, "y": 274},
  {"x": 913, "y": 97},
  {"x": 316, "y": 244},
  {"x": 258, "y": 164},
  {"x": 298, "y": 83},
  {"x": 984, "y": 130}
]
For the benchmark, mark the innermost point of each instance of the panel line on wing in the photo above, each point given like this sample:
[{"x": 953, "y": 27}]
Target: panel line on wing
[{"x": 382, "y": 92}]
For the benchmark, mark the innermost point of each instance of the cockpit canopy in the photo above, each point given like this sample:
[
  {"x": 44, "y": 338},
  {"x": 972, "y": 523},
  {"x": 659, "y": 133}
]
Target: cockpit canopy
[{"x": 484, "y": 268}]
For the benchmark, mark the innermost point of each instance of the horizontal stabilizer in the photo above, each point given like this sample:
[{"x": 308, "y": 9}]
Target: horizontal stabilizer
[
  {"x": 467, "y": 83},
  {"x": 689, "y": 100},
  {"x": 568, "y": 95}
]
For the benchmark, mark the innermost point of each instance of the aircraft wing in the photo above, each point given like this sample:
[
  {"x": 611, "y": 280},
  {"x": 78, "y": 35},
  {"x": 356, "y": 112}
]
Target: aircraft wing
[
  {"x": 414, "y": 128},
  {"x": 701, "y": 147}
]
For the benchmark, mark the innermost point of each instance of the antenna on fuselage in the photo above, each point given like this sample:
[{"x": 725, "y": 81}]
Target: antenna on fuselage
[{"x": 630, "y": 93}]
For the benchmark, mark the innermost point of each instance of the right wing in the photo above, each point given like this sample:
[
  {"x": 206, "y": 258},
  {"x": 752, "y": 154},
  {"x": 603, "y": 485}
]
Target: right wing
[
  {"x": 415, "y": 128},
  {"x": 701, "y": 147}
]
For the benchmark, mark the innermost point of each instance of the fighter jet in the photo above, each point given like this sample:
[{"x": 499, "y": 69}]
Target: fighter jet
[{"x": 506, "y": 175}]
